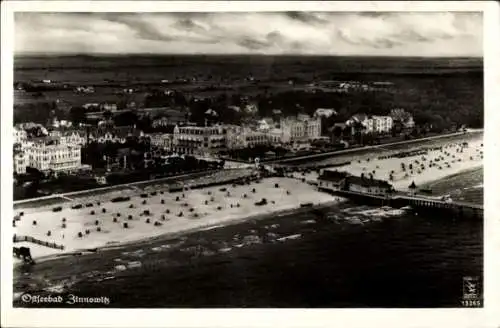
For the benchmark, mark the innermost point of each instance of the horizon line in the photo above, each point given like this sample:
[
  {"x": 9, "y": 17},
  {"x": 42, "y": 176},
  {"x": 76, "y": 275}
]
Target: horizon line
[{"x": 93, "y": 54}]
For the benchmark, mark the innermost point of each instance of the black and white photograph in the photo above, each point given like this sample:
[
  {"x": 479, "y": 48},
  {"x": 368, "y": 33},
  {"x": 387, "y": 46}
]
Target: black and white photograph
[{"x": 228, "y": 159}]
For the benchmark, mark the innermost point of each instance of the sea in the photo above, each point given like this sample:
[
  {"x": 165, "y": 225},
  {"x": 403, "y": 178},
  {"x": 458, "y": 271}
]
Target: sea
[{"x": 342, "y": 256}]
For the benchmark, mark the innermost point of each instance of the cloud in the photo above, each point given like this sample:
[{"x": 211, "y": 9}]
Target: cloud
[{"x": 322, "y": 33}]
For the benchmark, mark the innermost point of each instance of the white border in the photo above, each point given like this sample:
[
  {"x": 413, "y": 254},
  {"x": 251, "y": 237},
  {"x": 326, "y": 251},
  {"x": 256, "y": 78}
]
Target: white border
[{"x": 486, "y": 317}]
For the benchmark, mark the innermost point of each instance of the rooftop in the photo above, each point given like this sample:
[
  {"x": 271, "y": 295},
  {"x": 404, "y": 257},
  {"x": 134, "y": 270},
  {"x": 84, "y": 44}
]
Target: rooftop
[
  {"x": 366, "y": 182},
  {"x": 333, "y": 175}
]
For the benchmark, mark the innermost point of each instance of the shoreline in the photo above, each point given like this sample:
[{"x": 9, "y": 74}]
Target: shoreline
[
  {"x": 215, "y": 225},
  {"x": 171, "y": 213},
  {"x": 176, "y": 234},
  {"x": 176, "y": 226}
]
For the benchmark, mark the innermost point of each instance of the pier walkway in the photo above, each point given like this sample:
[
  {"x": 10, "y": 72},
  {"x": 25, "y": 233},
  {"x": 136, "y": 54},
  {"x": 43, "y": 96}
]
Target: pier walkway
[
  {"x": 415, "y": 202},
  {"x": 431, "y": 202}
]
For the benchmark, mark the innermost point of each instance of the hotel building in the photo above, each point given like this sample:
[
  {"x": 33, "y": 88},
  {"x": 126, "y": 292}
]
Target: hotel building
[
  {"x": 372, "y": 124},
  {"x": 56, "y": 157},
  {"x": 199, "y": 140},
  {"x": 301, "y": 128}
]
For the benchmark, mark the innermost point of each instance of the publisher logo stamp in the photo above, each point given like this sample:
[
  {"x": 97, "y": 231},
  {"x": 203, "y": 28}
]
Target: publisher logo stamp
[{"x": 471, "y": 292}]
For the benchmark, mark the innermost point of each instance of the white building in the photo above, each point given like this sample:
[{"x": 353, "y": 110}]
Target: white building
[
  {"x": 381, "y": 124},
  {"x": 20, "y": 162},
  {"x": 20, "y": 136},
  {"x": 301, "y": 128},
  {"x": 56, "y": 157},
  {"x": 372, "y": 124}
]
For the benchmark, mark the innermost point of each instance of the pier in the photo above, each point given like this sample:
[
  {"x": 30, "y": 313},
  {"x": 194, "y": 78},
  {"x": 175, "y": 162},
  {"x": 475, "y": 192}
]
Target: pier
[{"x": 417, "y": 203}]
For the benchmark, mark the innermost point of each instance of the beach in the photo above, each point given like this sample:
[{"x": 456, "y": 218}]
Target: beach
[
  {"x": 154, "y": 211},
  {"x": 423, "y": 164},
  {"x": 168, "y": 213}
]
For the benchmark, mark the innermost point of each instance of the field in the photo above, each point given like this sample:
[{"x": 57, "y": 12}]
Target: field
[{"x": 231, "y": 74}]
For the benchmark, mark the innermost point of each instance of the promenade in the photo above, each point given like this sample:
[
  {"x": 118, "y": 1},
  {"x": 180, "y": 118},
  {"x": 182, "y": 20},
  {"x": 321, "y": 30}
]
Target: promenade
[{"x": 374, "y": 147}]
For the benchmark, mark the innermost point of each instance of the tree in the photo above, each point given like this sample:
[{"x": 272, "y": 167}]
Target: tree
[
  {"x": 126, "y": 118},
  {"x": 77, "y": 115}
]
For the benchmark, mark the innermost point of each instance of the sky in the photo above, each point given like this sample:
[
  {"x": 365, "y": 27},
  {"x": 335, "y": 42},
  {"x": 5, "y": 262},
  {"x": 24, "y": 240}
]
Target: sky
[{"x": 427, "y": 34}]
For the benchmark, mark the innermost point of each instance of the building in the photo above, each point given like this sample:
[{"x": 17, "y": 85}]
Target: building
[
  {"x": 372, "y": 124},
  {"x": 235, "y": 138},
  {"x": 20, "y": 136},
  {"x": 332, "y": 180},
  {"x": 73, "y": 137},
  {"x": 113, "y": 135},
  {"x": 163, "y": 116},
  {"x": 340, "y": 131},
  {"x": 243, "y": 137},
  {"x": 20, "y": 162},
  {"x": 199, "y": 140},
  {"x": 381, "y": 124},
  {"x": 55, "y": 157},
  {"x": 300, "y": 128},
  {"x": 162, "y": 140},
  {"x": 112, "y": 107},
  {"x": 367, "y": 185}
]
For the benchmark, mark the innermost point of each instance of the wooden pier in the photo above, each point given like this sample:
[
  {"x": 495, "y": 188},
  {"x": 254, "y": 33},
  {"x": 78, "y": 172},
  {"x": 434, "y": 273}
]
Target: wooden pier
[{"x": 417, "y": 203}]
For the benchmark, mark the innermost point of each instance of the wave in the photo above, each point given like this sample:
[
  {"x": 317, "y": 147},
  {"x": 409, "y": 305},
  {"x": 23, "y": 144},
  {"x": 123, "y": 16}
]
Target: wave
[
  {"x": 378, "y": 212},
  {"x": 295, "y": 236},
  {"x": 212, "y": 227}
]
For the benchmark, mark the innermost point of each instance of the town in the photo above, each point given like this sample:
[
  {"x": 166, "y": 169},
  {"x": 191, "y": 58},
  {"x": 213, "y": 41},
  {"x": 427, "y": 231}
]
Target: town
[
  {"x": 247, "y": 159},
  {"x": 102, "y": 143}
]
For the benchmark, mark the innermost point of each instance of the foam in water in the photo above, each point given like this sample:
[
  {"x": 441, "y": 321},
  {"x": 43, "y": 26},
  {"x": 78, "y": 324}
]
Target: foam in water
[{"x": 295, "y": 236}]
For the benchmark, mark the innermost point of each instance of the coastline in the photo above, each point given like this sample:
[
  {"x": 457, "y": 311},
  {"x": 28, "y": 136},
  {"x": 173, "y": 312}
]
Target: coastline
[
  {"x": 183, "y": 212},
  {"x": 228, "y": 221},
  {"x": 179, "y": 226},
  {"x": 176, "y": 234}
]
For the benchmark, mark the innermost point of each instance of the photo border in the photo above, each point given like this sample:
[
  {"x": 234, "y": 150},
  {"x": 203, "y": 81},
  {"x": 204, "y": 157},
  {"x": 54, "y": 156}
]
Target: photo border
[{"x": 485, "y": 317}]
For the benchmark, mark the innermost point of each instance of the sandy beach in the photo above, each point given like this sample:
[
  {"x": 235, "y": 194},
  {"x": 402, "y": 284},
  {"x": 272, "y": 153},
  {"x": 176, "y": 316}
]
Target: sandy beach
[
  {"x": 168, "y": 213},
  {"x": 423, "y": 165}
]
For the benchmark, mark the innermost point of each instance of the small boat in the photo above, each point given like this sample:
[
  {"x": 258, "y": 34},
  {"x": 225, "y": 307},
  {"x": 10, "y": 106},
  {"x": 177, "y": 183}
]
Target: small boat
[
  {"x": 426, "y": 191},
  {"x": 306, "y": 204}
]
